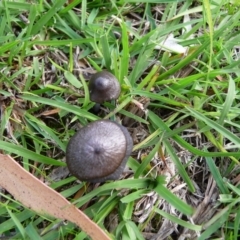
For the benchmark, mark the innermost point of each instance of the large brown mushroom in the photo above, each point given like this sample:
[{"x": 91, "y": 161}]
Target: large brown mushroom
[{"x": 99, "y": 151}]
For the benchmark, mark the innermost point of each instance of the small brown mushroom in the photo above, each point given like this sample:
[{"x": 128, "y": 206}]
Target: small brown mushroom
[
  {"x": 99, "y": 151},
  {"x": 103, "y": 86}
]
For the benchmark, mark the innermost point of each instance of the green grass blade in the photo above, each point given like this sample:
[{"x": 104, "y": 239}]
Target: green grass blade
[
  {"x": 23, "y": 152},
  {"x": 159, "y": 98},
  {"x": 84, "y": 13},
  {"x": 17, "y": 223},
  {"x": 106, "y": 52},
  {"x": 214, "y": 227},
  {"x": 65, "y": 106},
  {"x": 181, "y": 170},
  {"x": 213, "y": 124},
  {"x": 236, "y": 225},
  {"x": 173, "y": 200},
  {"x": 32, "y": 233},
  {"x": 186, "y": 145},
  {"x": 229, "y": 101},
  {"x": 21, "y": 217},
  {"x": 72, "y": 79},
  {"x": 217, "y": 176},
  {"x": 126, "y": 55},
  {"x": 146, "y": 161},
  {"x": 178, "y": 221},
  {"x": 40, "y": 24},
  {"x": 129, "y": 183}
]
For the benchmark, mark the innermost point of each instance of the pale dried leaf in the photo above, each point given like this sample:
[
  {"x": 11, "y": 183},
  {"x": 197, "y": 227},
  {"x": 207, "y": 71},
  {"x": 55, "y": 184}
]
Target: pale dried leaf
[
  {"x": 187, "y": 28},
  {"x": 37, "y": 196},
  {"x": 171, "y": 44}
]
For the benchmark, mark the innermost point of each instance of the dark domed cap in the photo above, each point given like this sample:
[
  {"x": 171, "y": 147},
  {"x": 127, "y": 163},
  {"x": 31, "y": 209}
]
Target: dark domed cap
[
  {"x": 103, "y": 86},
  {"x": 99, "y": 151}
]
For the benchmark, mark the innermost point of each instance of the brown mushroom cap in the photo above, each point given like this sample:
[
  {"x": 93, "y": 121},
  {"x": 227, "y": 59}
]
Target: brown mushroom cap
[
  {"x": 103, "y": 86},
  {"x": 99, "y": 151}
]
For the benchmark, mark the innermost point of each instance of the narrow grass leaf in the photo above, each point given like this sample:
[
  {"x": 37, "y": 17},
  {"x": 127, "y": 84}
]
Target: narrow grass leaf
[
  {"x": 191, "y": 11},
  {"x": 106, "y": 51},
  {"x": 5, "y": 118},
  {"x": 214, "y": 227},
  {"x": 21, "y": 6},
  {"x": 23, "y": 152},
  {"x": 181, "y": 170},
  {"x": 131, "y": 197},
  {"x": 8, "y": 46},
  {"x": 83, "y": 13},
  {"x": 173, "y": 200},
  {"x": 178, "y": 220},
  {"x": 128, "y": 184},
  {"x": 153, "y": 1},
  {"x": 17, "y": 223},
  {"x": 72, "y": 79},
  {"x": 86, "y": 91},
  {"x": 101, "y": 215},
  {"x": 198, "y": 152},
  {"x": 158, "y": 122},
  {"x": 213, "y": 124},
  {"x": 56, "y": 43},
  {"x": 126, "y": 101},
  {"x": 21, "y": 216},
  {"x": 161, "y": 125},
  {"x": 229, "y": 101},
  {"x": 133, "y": 164},
  {"x": 32, "y": 17},
  {"x": 70, "y": 6},
  {"x": 128, "y": 211},
  {"x": 5, "y": 93},
  {"x": 189, "y": 58},
  {"x": 125, "y": 53},
  {"x": 65, "y": 106},
  {"x": 210, "y": 29},
  {"x": 148, "y": 78},
  {"x": 220, "y": 214},
  {"x": 181, "y": 83},
  {"x": 148, "y": 139},
  {"x": 159, "y": 97},
  {"x": 63, "y": 182},
  {"x": 133, "y": 116},
  {"x": 133, "y": 231},
  {"x": 217, "y": 176},
  {"x": 119, "y": 229},
  {"x": 146, "y": 161},
  {"x": 107, "y": 201},
  {"x": 47, "y": 132},
  {"x": 70, "y": 191},
  {"x": 40, "y": 24},
  {"x": 140, "y": 65},
  {"x": 32, "y": 233},
  {"x": 71, "y": 59},
  {"x": 233, "y": 188},
  {"x": 237, "y": 225}
]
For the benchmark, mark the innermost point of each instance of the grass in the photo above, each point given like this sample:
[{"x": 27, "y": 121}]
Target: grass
[{"x": 183, "y": 178}]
